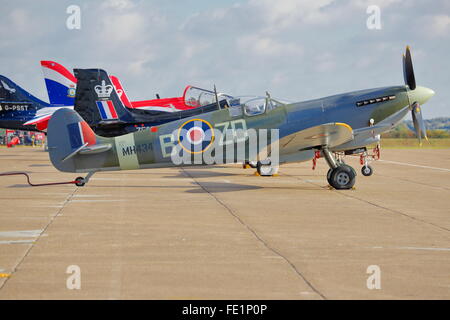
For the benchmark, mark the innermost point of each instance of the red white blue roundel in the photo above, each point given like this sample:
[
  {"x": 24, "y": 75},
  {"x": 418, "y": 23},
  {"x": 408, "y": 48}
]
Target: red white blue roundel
[{"x": 196, "y": 135}]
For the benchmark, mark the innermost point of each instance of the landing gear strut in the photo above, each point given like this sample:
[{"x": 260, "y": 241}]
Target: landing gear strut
[
  {"x": 366, "y": 170},
  {"x": 340, "y": 176},
  {"x": 365, "y": 159}
]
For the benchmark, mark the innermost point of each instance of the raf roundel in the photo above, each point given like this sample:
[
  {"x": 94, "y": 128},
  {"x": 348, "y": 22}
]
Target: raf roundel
[{"x": 196, "y": 135}]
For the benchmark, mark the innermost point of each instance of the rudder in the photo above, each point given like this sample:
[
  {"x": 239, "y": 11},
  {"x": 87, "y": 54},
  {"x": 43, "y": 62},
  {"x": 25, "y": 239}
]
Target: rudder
[
  {"x": 60, "y": 83},
  {"x": 96, "y": 99},
  {"x": 66, "y": 134}
]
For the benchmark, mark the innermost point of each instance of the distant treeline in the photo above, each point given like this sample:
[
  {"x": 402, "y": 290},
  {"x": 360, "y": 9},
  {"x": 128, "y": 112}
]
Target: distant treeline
[
  {"x": 403, "y": 131},
  {"x": 442, "y": 123}
]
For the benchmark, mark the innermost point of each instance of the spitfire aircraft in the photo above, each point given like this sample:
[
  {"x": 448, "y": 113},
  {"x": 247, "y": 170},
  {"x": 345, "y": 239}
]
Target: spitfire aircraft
[{"x": 343, "y": 122}]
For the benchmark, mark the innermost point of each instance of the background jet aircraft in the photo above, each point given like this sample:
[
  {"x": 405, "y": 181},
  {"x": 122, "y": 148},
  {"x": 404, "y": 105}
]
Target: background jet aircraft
[
  {"x": 20, "y": 110},
  {"x": 327, "y": 125},
  {"x": 108, "y": 119},
  {"x": 17, "y": 106},
  {"x": 61, "y": 85}
]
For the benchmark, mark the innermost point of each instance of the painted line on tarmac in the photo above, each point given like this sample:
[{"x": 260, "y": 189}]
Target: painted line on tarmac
[
  {"x": 91, "y": 195},
  {"x": 17, "y": 241},
  {"x": 414, "y": 248},
  {"x": 415, "y": 165},
  {"x": 98, "y": 200},
  {"x": 21, "y": 234}
]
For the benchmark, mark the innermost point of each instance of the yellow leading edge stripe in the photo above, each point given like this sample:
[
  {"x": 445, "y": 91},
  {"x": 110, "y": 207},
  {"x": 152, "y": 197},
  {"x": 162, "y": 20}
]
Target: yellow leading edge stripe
[{"x": 344, "y": 125}]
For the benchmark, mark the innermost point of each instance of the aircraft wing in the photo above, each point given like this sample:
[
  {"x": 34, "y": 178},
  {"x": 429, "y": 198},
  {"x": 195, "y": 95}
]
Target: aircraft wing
[{"x": 329, "y": 134}]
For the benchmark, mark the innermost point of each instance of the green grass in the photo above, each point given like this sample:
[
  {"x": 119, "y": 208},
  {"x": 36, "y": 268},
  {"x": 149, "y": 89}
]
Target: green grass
[{"x": 392, "y": 143}]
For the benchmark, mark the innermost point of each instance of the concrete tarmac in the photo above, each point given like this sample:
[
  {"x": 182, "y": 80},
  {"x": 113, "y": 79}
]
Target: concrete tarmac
[{"x": 223, "y": 233}]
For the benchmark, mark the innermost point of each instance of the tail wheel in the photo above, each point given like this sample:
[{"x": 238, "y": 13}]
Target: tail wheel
[
  {"x": 342, "y": 177},
  {"x": 80, "y": 182},
  {"x": 366, "y": 170},
  {"x": 266, "y": 169}
]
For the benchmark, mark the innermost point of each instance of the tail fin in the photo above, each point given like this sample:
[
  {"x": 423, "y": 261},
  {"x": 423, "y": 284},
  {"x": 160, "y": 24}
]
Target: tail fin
[
  {"x": 120, "y": 91},
  {"x": 96, "y": 99},
  {"x": 11, "y": 92},
  {"x": 70, "y": 140},
  {"x": 60, "y": 82}
]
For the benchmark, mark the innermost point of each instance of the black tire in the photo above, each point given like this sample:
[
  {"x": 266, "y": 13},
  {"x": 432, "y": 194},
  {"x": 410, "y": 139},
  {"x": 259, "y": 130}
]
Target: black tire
[
  {"x": 80, "y": 182},
  {"x": 329, "y": 176},
  {"x": 367, "y": 170},
  {"x": 258, "y": 169},
  {"x": 343, "y": 177}
]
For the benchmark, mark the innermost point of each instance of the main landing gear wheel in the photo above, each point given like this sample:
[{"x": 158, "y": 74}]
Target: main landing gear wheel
[
  {"x": 266, "y": 170},
  {"x": 366, "y": 170},
  {"x": 80, "y": 182},
  {"x": 342, "y": 177},
  {"x": 329, "y": 176}
]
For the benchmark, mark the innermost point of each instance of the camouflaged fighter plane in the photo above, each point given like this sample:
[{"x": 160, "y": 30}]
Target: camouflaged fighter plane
[{"x": 344, "y": 122}]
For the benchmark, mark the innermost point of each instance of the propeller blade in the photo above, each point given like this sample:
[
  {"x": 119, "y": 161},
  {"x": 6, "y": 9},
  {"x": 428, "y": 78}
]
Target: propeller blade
[
  {"x": 419, "y": 124},
  {"x": 408, "y": 70}
]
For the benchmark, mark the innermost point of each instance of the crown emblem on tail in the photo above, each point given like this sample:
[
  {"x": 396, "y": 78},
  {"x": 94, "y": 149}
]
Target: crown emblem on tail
[{"x": 103, "y": 90}]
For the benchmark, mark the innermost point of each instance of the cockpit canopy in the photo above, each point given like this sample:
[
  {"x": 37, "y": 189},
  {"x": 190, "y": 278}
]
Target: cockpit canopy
[
  {"x": 197, "y": 97},
  {"x": 254, "y": 105}
]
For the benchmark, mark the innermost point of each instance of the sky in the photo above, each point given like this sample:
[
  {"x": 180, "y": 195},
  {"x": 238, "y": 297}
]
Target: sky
[{"x": 295, "y": 49}]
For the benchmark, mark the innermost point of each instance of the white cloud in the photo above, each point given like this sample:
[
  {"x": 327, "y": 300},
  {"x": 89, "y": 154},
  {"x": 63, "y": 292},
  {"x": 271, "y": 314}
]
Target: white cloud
[
  {"x": 266, "y": 46},
  {"x": 440, "y": 25},
  {"x": 19, "y": 20},
  {"x": 118, "y": 4},
  {"x": 121, "y": 28}
]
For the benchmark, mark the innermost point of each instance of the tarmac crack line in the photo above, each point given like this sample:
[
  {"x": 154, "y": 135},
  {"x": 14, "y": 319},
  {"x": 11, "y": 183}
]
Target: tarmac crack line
[
  {"x": 27, "y": 252},
  {"x": 376, "y": 205},
  {"x": 257, "y": 236}
]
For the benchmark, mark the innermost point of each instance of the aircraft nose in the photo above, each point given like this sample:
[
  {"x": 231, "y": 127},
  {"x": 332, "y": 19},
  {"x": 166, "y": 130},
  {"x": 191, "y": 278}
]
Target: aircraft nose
[{"x": 421, "y": 94}]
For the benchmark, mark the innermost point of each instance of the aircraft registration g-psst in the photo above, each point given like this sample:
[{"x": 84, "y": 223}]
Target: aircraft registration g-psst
[{"x": 343, "y": 122}]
